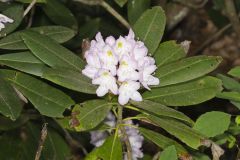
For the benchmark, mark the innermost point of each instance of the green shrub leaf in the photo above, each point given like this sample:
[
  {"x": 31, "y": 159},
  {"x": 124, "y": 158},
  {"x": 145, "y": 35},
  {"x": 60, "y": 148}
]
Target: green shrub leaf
[
  {"x": 70, "y": 79},
  {"x": 229, "y": 83},
  {"x": 14, "y": 12},
  {"x": 187, "y": 69},
  {"x": 110, "y": 150},
  {"x": 168, "y": 52},
  {"x": 23, "y": 61},
  {"x": 213, "y": 123},
  {"x": 235, "y": 72},
  {"x": 185, "y": 94},
  {"x": 136, "y": 8},
  {"x": 184, "y": 133},
  {"x": 91, "y": 113},
  {"x": 60, "y": 14},
  {"x": 149, "y": 28},
  {"x": 121, "y": 3},
  {"x": 46, "y": 99},
  {"x": 161, "y": 110},
  {"x": 169, "y": 153},
  {"x": 14, "y": 41},
  {"x": 162, "y": 141},
  {"x": 10, "y": 104},
  {"x": 50, "y": 52}
]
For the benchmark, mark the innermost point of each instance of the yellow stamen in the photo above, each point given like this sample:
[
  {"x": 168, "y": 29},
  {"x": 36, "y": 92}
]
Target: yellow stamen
[
  {"x": 109, "y": 53},
  {"x": 120, "y": 45},
  {"x": 124, "y": 63},
  {"x": 105, "y": 73}
]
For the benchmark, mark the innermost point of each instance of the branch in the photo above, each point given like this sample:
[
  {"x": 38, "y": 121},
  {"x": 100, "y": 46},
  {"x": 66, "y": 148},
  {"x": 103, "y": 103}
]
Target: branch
[
  {"x": 108, "y": 8},
  {"x": 232, "y": 16},
  {"x": 123, "y": 131},
  {"x": 41, "y": 141},
  {"x": 30, "y": 6},
  {"x": 192, "y": 5}
]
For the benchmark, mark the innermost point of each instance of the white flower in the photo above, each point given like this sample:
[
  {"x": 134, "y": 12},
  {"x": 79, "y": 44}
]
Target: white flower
[
  {"x": 98, "y": 138},
  {"x": 109, "y": 59},
  {"x": 146, "y": 78},
  {"x": 120, "y": 66},
  {"x": 4, "y": 19},
  {"x": 127, "y": 70},
  {"x": 127, "y": 91},
  {"x": 106, "y": 83},
  {"x": 135, "y": 139}
]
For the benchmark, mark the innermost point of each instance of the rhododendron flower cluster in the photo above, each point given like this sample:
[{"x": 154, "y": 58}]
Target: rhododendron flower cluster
[
  {"x": 135, "y": 139},
  {"x": 120, "y": 66},
  {"x": 4, "y": 19}
]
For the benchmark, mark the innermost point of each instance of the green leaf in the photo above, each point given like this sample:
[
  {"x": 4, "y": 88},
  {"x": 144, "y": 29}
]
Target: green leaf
[
  {"x": 110, "y": 150},
  {"x": 213, "y": 123},
  {"x": 14, "y": 12},
  {"x": 60, "y": 14},
  {"x": 91, "y": 113},
  {"x": 121, "y": 3},
  {"x": 23, "y": 61},
  {"x": 167, "y": 52},
  {"x": 50, "y": 52},
  {"x": 70, "y": 79},
  {"x": 55, "y": 146},
  {"x": 235, "y": 72},
  {"x": 185, "y": 94},
  {"x": 161, "y": 110},
  {"x": 184, "y": 133},
  {"x": 236, "y": 104},
  {"x": 136, "y": 8},
  {"x": 10, "y": 104},
  {"x": 149, "y": 28},
  {"x": 233, "y": 96},
  {"x": 46, "y": 99},
  {"x": 186, "y": 69},
  {"x": 14, "y": 41},
  {"x": 169, "y": 153},
  {"x": 229, "y": 83},
  {"x": 22, "y": 144},
  {"x": 162, "y": 141}
]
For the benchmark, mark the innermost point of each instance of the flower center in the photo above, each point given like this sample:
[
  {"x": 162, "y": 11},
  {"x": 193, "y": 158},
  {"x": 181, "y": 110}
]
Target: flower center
[
  {"x": 109, "y": 53},
  {"x": 124, "y": 63},
  {"x": 119, "y": 45},
  {"x": 105, "y": 74}
]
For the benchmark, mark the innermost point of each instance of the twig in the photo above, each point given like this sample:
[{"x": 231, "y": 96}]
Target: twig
[
  {"x": 73, "y": 142},
  {"x": 31, "y": 18},
  {"x": 123, "y": 131},
  {"x": 190, "y": 4},
  {"x": 70, "y": 140},
  {"x": 30, "y": 6},
  {"x": 232, "y": 16},
  {"x": 41, "y": 141},
  {"x": 108, "y": 8},
  {"x": 212, "y": 38}
]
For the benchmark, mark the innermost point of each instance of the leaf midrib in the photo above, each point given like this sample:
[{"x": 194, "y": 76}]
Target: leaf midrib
[
  {"x": 17, "y": 41},
  {"x": 52, "y": 51},
  {"x": 185, "y": 91},
  {"x": 184, "y": 67},
  {"x": 93, "y": 110}
]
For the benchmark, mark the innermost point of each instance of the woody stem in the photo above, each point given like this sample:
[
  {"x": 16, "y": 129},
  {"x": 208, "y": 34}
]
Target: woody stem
[{"x": 123, "y": 132}]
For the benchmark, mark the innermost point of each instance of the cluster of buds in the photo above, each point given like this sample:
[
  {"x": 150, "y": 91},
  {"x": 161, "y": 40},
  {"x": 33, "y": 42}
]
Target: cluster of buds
[
  {"x": 3, "y": 20},
  {"x": 133, "y": 135},
  {"x": 120, "y": 66}
]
